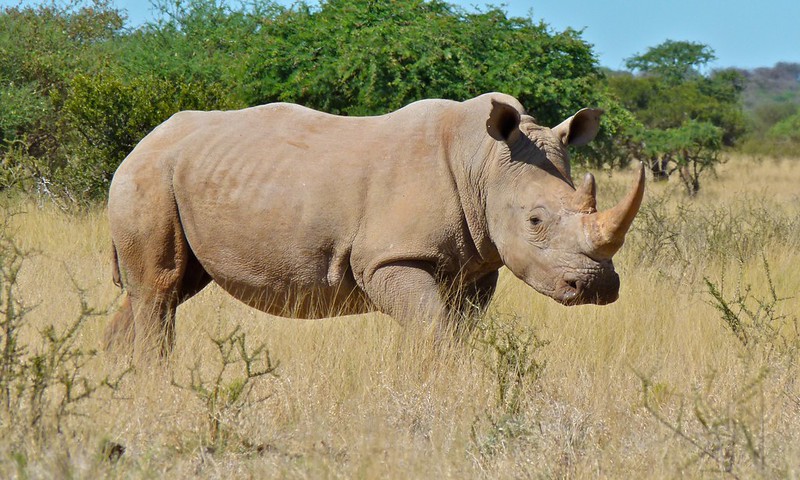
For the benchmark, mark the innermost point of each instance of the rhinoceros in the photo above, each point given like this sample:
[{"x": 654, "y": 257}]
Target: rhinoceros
[{"x": 304, "y": 214}]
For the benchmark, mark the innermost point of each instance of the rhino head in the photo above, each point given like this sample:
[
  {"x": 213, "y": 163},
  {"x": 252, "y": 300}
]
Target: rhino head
[{"x": 547, "y": 232}]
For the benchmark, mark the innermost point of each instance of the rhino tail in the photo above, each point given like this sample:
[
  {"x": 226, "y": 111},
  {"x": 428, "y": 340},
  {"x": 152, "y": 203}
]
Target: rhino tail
[{"x": 115, "y": 275}]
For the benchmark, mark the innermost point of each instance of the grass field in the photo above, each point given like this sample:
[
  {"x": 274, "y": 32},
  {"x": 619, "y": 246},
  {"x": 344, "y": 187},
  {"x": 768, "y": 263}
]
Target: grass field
[{"x": 692, "y": 372}]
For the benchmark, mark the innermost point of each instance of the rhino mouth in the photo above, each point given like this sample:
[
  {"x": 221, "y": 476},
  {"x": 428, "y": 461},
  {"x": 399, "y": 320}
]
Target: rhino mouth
[{"x": 598, "y": 286}]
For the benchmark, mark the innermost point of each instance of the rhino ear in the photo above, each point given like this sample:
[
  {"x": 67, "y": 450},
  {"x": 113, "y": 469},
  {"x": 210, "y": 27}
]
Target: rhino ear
[
  {"x": 580, "y": 128},
  {"x": 503, "y": 122}
]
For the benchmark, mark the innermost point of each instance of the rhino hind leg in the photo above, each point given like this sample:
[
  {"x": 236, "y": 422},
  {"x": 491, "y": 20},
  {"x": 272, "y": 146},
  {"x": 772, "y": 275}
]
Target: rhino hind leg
[
  {"x": 155, "y": 309},
  {"x": 118, "y": 336},
  {"x": 156, "y": 266}
]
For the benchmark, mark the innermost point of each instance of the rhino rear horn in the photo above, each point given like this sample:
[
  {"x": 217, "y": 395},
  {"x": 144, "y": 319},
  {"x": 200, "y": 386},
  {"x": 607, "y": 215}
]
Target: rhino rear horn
[
  {"x": 585, "y": 198},
  {"x": 606, "y": 230}
]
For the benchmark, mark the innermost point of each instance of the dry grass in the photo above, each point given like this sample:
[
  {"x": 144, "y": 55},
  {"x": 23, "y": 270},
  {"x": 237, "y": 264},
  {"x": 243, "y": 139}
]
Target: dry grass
[{"x": 361, "y": 397}]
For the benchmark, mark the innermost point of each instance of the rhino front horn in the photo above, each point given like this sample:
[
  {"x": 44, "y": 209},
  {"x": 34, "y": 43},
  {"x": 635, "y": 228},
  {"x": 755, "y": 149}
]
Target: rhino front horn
[{"x": 606, "y": 230}]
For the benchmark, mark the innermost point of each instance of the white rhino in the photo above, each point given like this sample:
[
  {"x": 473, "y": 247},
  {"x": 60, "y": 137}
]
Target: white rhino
[{"x": 304, "y": 214}]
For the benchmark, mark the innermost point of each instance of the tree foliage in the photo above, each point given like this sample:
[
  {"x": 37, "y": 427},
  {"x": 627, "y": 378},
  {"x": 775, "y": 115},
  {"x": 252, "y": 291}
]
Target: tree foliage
[
  {"x": 686, "y": 117},
  {"x": 358, "y": 57},
  {"x": 80, "y": 90},
  {"x": 787, "y": 130},
  {"x": 672, "y": 61},
  {"x": 688, "y": 149},
  {"x": 42, "y": 49}
]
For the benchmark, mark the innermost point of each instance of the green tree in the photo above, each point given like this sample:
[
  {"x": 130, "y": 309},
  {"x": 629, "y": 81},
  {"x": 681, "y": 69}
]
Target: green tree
[
  {"x": 206, "y": 41},
  {"x": 42, "y": 49},
  {"x": 672, "y": 61},
  {"x": 686, "y": 117},
  {"x": 689, "y": 149},
  {"x": 359, "y": 57},
  {"x": 79, "y": 91}
]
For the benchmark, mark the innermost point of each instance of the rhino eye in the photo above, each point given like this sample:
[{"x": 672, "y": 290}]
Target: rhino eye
[{"x": 536, "y": 221}]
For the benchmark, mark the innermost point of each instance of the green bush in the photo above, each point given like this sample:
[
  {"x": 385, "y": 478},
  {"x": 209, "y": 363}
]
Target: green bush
[
  {"x": 786, "y": 131},
  {"x": 21, "y": 107},
  {"x": 778, "y": 139},
  {"x": 356, "y": 57},
  {"x": 43, "y": 47}
]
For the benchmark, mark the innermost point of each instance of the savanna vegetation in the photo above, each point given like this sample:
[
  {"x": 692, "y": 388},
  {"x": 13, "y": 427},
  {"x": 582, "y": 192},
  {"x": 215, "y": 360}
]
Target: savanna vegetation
[{"x": 692, "y": 372}]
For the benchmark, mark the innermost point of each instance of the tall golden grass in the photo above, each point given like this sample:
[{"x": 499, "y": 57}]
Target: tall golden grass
[{"x": 656, "y": 385}]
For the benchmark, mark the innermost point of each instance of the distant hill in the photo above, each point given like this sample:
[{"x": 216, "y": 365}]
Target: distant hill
[
  {"x": 769, "y": 85},
  {"x": 771, "y": 103}
]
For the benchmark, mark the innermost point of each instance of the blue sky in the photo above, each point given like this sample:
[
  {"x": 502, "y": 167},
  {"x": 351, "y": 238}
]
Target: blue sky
[{"x": 743, "y": 33}]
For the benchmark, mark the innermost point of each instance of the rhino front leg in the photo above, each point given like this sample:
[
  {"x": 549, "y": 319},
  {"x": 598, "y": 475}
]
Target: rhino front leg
[
  {"x": 407, "y": 291},
  {"x": 476, "y": 297},
  {"x": 472, "y": 300}
]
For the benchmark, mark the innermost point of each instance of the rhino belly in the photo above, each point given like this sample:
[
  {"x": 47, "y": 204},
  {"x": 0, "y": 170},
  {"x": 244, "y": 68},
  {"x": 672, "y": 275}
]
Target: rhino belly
[
  {"x": 298, "y": 300},
  {"x": 288, "y": 282},
  {"x": 273, "y": 262}
]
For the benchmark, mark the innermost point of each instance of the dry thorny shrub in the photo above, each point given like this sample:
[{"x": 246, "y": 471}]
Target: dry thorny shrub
[
  {"x": 44, "y": 385},
  {"x": 681, "y": 238},
  {"x": 729, "y": 426}
]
